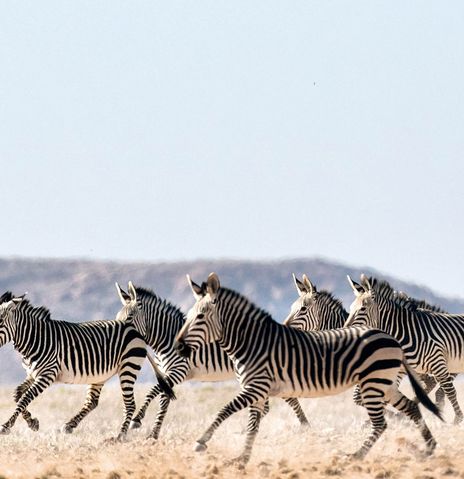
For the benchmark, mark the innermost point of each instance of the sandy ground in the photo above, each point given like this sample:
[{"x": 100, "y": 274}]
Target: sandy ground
[{"x": 282, "y": 450}]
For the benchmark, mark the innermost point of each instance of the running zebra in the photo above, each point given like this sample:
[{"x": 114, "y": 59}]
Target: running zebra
[
  {"x": 273, "y": 360},
  {"x": 317, "y": 310},
  {"x": 158, "y": 321},
  {"x": 433, "y": 342},
  {"x": 73, "y": 353}
]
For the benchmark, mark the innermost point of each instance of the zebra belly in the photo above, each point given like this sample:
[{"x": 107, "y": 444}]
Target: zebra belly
[
  {"x": 209, "y": 375},
  {"x": 74, "y": 377},
  {"x": 456, "y": 365},
  {"x": 286, "y": 390}
]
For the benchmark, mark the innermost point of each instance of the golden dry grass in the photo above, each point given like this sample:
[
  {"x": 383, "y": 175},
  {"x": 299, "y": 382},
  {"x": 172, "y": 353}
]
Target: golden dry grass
[{"x": 282, "y": 449}]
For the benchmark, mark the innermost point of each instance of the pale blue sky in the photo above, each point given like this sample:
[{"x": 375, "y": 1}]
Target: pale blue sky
[{"x": 177, "y": 130}]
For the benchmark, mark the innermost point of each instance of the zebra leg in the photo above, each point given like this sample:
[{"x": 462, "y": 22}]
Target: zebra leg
[
  {"x": 440, "y": 395},
  {"x": 411, "y": 409},
  {"x": 91, "y": 402},
  {"x": 32, "y": 422},
  {"x": 254, "y": 418},
  {"x": 296, "y": 406},
  {"x": 373, "y": 399},
  {"x": 266, "y": 407},
  {"x": 137, "y": 419},
  {"x": 440, "y": 398},
  {"x": 40, "y": 384},
  {"x": 243, "y": 400},
  {"x": 357, "y": 396},
  {"x": 446, "y": 383},
  {"x": 127, "y": 378},
  {"x": 164, "y": 402}
]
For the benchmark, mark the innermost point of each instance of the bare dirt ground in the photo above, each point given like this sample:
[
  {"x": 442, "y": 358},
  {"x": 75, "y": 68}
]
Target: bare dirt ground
[{"x": 282, "y": 450}]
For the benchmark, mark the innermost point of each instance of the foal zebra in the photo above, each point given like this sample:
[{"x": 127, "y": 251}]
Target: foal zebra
[
  {"x": 158, "y": 321},
  {"x": 273, "y": 360},
  {"x": 433, "y": 342},
  {"x": 318, "y": 310},
  {"x": 76, "y": 353}
]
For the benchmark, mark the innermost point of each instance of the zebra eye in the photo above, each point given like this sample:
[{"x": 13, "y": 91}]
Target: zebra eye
[
  {"x": 303, "y": 309},
  {"x": 200, "y": 316}
]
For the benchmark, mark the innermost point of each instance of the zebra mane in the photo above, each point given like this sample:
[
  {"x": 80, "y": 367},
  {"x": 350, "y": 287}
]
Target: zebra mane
[
  {"x": 5, "y": 297},
  {"x": 245, "y": 303},
  {"x": 328, "y": 299},
  {"x": 37, "y": 312},
  {"x": 145, "y": 294},
  {"x": 382, "y": 288},
  {"x": 413, "y": 304}
]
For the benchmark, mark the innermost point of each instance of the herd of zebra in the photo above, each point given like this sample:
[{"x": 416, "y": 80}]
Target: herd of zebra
[{"x": 319, "y": 350}]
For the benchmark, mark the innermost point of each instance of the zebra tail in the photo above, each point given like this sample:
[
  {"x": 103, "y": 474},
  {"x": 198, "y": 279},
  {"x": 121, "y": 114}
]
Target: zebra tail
[
  {"x": 164, "y": 386},
  {"x": 419, "y": 391}
]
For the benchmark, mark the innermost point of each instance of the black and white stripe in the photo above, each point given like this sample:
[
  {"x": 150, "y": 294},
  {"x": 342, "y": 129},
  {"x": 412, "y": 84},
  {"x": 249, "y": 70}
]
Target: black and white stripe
[
  {"x": 74, "y": 353},
  {"x": 159, "y": 322},
  {"x": 273, "y": 360},
  {"x": 433, "y": 342},
  {"x": 315, "y": 310}
]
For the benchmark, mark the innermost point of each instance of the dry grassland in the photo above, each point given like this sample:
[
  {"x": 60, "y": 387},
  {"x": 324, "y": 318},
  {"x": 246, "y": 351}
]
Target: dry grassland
[{"x": 282, "y": 450}]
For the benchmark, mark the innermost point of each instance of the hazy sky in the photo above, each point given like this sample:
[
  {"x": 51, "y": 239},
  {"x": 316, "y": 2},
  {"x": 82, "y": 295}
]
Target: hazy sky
[{"x": 203, "y": 129}]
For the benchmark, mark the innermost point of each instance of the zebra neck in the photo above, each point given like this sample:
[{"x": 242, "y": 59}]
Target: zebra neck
[
  {"x": 162, "y": 329},
  {"x": 239, "y": 333},
  {"x": 27, "y": 335},
  {"x": 333, "y": 320},
  {"x": 392, "y": 320}
]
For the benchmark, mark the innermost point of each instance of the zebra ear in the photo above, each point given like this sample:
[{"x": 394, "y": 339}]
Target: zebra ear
[
  {"x": 402, "y": 295},
  {"x": 309, "y": 286},
  {"x": 197, "y": 290},
  {"x": 212, "y": 285},
  {"x": 15, "y": 301},
  {"x": 132, "y": 292},
  {"x": 300, "y": 287},
  {"x": 123, "y": 296},
  {"x": 357, "y": 288},
  {"x": 365, "y": 282}
]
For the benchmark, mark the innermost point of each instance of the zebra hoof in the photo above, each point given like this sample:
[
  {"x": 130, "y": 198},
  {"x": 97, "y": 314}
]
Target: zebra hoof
[
  {"x": 135, "y": 424},
  {"x": 239, "y": 462},
  {"x": 34, "y": 424},
  {"x": 4, "y": 430},
  {"x": 200, "y": 447},
  {"x": 431, "y": 445},
  {"x": 115, "y": 440},
  {"x": 67, "y": 429},
  {"x": 457, "y": 420},
  {"x": 357, "y": 456}
]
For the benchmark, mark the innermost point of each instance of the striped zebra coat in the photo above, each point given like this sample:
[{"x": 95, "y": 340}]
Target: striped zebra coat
[
  {"x": 73, "y": 353},
  {"x": 273, "y": 360},
  {"x": 433, "y": 342},
  {"x": 315, "y": 310},
  {"x": 158, "y": 321}
]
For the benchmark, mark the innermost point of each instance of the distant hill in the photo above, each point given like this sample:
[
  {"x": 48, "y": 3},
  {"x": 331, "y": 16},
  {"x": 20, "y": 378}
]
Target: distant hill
[{"x": 82, "y": 290}]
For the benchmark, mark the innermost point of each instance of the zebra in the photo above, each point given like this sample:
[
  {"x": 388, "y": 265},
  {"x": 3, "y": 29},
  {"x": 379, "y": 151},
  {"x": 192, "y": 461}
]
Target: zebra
[
  {"x": 316, "y": 310},
  {"x": 159, "y": 321},
  {"x": 73, "y": 353},
  {"x": 273, "y": 360},
  {"x": 433, "y": 342}
]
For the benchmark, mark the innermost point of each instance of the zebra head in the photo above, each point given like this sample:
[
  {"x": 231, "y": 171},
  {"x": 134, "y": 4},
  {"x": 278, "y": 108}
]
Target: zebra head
[
  {"x": 303, "y": 312},
  {"x": 364, "y": 311},
  {"x": 8, "y": 304},
  {"x": 131, "y": 310},
  {"x": 202, "y": 325}
]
